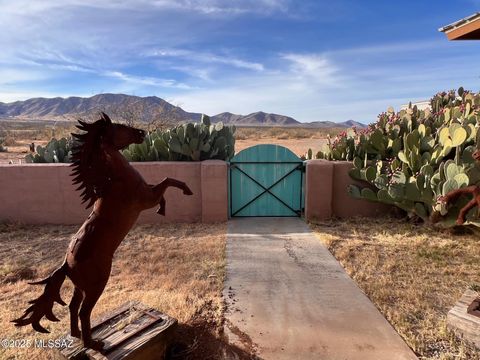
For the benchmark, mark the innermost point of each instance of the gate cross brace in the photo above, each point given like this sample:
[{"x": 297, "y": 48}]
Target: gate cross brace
[{"x": 266, "y": 190}]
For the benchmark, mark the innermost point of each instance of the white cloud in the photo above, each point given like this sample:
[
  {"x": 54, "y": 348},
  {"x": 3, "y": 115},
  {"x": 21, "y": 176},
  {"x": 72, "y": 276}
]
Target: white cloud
[
  {"x": 390, "y": 48},
  {"x": 205, "y": 57},
  {"x": 13, "y": 76},
  {"x": 146, "y": 81},
  {"x": 208, "y": 7},
  {"x": 235, "y": 62},
  {"x": 63, "y": 66},
  {"x": 203, "y": 72},
  {"x": 312, "y": 67},
  {"x": 296, "y": 88},
  {"x": 355, "y": 83},
  {"x": 226, "y": 7}
]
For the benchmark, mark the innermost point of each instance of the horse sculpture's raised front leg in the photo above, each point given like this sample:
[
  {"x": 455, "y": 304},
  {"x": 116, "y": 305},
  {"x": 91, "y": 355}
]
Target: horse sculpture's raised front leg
[
  {"x": 159, "y": 189},
  {"x": 452, "y": 196}
]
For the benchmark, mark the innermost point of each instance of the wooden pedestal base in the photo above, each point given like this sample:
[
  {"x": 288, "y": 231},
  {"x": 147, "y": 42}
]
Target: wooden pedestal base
[
  {"x": 133, "y": 331},
  {"x": 465, "y": 323}
]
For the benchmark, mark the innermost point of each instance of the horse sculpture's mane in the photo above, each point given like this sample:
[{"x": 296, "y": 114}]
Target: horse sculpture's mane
[{"x": 89, "y": 161}]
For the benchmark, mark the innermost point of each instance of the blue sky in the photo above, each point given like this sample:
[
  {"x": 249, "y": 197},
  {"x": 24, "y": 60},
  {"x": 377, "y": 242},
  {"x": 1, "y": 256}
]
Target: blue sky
[{"x": 312, "y": 60}]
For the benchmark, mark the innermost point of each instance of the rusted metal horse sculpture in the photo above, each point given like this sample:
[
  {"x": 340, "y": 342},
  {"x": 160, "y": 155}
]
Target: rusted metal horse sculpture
[{"x": 118, "y": 193}]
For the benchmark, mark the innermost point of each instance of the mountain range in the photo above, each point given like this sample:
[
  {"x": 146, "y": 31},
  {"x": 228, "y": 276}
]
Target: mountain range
[{"x": 143, "y": 109}]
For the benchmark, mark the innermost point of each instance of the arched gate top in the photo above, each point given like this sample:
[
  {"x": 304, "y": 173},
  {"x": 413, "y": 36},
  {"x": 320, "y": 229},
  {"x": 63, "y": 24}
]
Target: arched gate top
[{"x": 266, "y": 153}]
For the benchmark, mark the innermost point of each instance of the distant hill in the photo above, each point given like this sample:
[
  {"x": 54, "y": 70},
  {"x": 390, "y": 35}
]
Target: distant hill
[
  {"x": 329, "y": 124},
  {"x": 257, "y": 118},
  {"x": 143, "y": 109}
]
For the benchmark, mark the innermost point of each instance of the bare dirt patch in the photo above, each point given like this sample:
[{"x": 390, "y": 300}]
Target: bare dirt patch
[
  {"x": 413, "y": 274},
  {"x": 176, "y": 268}
]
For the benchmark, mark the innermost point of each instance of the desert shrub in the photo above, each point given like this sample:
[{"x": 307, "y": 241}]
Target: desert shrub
[
  {"x": 412, "y": 157},
  {"x": 2, "y": 144},
  {"x": 283, "y": 136},
  {"x": 243, "y": 133},
  {"x": 284, "y": 133},
  {"x": 9, "y": 140}
]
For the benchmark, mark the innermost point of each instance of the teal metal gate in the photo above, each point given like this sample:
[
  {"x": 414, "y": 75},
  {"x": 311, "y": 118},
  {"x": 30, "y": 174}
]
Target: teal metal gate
[{"x": 266, "y": 180}]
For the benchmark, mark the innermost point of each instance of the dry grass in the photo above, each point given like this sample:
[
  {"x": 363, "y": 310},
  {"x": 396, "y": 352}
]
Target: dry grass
[
  {"x": 176, "y": 268},
  {"x": 413, "y": 274}
]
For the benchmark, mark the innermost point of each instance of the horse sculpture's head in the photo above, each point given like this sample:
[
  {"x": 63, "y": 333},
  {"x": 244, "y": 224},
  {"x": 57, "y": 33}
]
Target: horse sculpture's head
[
  {"x": 118, "y": 136},
  {"x": 92, "y": 168},
  {"x": 106, "y": 133}
]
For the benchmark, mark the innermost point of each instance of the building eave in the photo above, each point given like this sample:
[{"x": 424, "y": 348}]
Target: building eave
[{"x": 465, "y": 29}]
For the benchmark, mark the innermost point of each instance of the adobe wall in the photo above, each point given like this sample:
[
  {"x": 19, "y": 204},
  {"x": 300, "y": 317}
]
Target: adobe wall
[
  {"x": 43, "y": 193},
  {"x": 326, "y": 193}
]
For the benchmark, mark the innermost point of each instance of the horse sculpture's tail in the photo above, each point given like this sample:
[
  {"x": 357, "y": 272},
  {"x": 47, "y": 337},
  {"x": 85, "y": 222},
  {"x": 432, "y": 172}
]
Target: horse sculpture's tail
[{"x": 43, "y": 305}]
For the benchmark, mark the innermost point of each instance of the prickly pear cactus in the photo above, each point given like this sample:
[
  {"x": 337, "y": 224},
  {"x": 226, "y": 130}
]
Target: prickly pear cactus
[
  {"x": 413, "y": 157},
  {"x": 56, "y": 151},
  {"x": 186, "y": 142}
]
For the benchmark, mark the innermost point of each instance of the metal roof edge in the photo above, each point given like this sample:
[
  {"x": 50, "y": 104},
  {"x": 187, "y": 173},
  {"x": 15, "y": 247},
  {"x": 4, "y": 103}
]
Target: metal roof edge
[{"x": 460, "y": 22}]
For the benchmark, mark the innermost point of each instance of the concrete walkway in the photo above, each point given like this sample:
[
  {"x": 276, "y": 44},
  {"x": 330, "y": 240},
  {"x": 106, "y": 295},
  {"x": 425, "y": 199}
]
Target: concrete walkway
[{"x": 288, "y": 298}]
